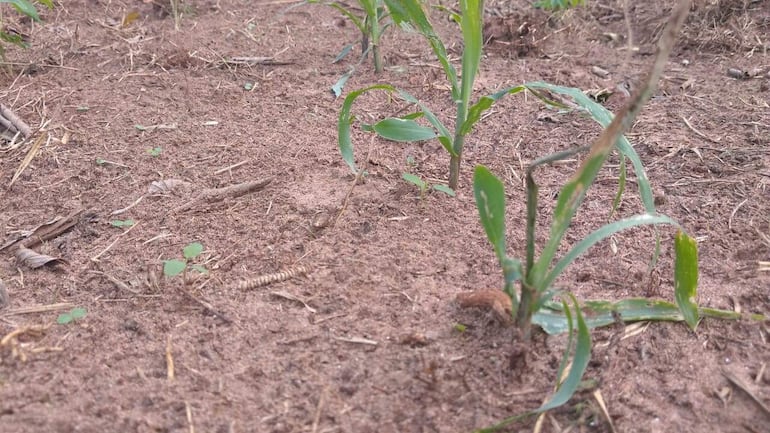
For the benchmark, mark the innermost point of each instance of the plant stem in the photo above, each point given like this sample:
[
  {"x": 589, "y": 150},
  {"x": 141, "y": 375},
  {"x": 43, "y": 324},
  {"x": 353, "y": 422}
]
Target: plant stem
[
  {"x": 374, "y": 33},
  {"x": 458, "y": 144},
  {"x": 454, "y": 171},
  {"x": 524, "y": 319},
  {"x": 377, "y": 58}
]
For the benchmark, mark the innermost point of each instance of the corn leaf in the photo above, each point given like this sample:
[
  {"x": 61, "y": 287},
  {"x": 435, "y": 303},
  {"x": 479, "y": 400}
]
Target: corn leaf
[
  {"x": 444, "y": 136},
  {"x": 686, "y": 277},
  {"x": 604, "y": 117},
  {"x": 25, "y": 7},
  {"x": 602, "y": 233},
  {"x": 345, "y": 120},
  {"x": 552, "y": 318},
  {"x": 403, "y": 130},
  {"x": 579, "y": 364},
  {"x": 471, "y": 22},
  {"x": 483, "y": 104},
  {"x": 410, "y": 13},
  {"x": 490, "y": 201}
]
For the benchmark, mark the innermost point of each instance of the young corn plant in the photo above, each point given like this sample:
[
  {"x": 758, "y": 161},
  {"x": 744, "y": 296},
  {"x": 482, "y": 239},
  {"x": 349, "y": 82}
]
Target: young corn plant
[
  {"x": 410, "y": 14},
  {"x": 25, "y": 7},
  {"x": 535, "y": 276},
  {"x": 370, "y": 19}
]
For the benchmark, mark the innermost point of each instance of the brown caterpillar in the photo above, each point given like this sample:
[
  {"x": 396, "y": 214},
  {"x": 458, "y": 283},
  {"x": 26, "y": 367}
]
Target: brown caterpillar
[{"x": 277, "y": 277}]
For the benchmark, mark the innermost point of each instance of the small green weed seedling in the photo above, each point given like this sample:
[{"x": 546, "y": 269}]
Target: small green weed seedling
[
  {"x": 423, "y": 186},
  {"x": 174, "y": 267},
  {"x": 71, "y": 316},
  {"x": 556, "y": 5},
  {"x": 122, "y": 223},
  {"x": 27, "y": 8}
]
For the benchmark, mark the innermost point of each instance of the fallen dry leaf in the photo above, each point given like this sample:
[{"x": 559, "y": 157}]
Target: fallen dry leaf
[{"x": 34, "y": 260}]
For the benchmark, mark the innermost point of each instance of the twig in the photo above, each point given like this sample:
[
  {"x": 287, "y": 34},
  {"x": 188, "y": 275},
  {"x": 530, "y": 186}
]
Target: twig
[
  {"x": 38, "y": 309},
  {"x": 206, "y": 306},
  {"x": 213, "y": 195},
  {"x": 45, "y": 232},
  {"x": 28, "y": 159},
  {"x": 698, "y": 133},
  {"x": 318, "y": 410},
  {"x": 603, "y": 407},
  {"x": 12, "y": 122},
  {"x": 732, "y": 214},
  {"x": 357, "y": 340},
  {"x": 234, "y": 166},
  {"x": 127, "y": 208},
  {"x": 118, "y": 283},
  {"x": 291, "y": 297},
  {"x": 169, "y": 360},
  {"x": 188, "y": 411},
  {"x": 117, "y": 238},
  {"x": 740, "y": 385}
]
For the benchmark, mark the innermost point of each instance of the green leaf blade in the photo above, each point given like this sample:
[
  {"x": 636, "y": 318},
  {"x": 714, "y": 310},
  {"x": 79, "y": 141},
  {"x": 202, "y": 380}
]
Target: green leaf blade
[
  {"x": 24, "y": 7},
  {"x": 686, "y": 277},
  {"x": 345, "y": 120},
  {"x": 490, "y": 201},
  {"x": 172, "y": 268},
  {"x": 598, "y": 235},
  {"x": 192, "y": 250},
  {"x": 579, "y": 364},
  {"x": 414, "y": 180},
  {"x": 403, "y": 130}
]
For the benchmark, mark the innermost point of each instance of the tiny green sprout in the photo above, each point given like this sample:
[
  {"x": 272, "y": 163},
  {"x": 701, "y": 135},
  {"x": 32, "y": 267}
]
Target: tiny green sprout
[
  {"x": 445, "y": 189},
  {"x": 122, "y": 223},
  {"x": 423, "y": 185},
  {"x": 100, "y": 161},
  {"x": 555, "y": 5},
  {"x": 82, "y": 109},
  {"x": 248, "y": 86},
  {"x": 417, "y": 181},
  {"x": 71, "y": 316},
  {"x": 459, "y": 327},
  {"x": 155, "y": 151},
  {"x": 192, "y": 250},
  {"x": 174, "y": 267}
]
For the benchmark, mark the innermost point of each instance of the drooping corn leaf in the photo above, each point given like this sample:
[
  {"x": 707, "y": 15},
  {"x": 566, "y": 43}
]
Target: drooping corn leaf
[
  {"x": 601, "y": 233},
  {"x": 345, "y": 120},
  {"x": 579, "y": 363}
]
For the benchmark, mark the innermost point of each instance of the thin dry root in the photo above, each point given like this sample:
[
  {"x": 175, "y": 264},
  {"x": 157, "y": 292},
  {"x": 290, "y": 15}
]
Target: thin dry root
[{"x": 264, "y": 280}]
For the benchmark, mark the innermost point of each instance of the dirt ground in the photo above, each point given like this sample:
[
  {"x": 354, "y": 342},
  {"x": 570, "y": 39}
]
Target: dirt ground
[{"x": 360, "y": 335}]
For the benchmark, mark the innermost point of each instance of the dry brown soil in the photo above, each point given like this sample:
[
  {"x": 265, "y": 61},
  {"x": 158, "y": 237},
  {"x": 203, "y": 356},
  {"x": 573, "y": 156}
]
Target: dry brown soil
[{"x": 374, "y": 347}]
